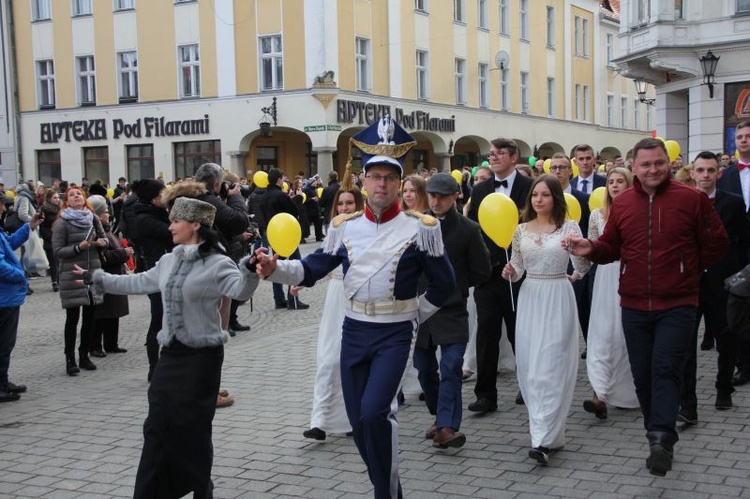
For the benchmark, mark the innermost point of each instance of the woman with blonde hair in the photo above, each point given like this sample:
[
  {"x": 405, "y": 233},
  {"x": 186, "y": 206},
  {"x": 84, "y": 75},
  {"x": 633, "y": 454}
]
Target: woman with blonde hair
[{"x": 414, "y": 194}]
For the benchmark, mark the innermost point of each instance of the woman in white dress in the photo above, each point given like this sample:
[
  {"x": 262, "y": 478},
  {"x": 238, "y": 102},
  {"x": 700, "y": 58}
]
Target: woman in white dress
[
  {"x": 607, "y": 361},
  {"x": 328, "y": 411},
  {"x": 547, "y": 320}
]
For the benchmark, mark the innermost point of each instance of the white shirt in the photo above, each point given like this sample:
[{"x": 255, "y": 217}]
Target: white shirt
[
  {"x": 589, "y": 183},
  {"x": 568, "y": 189},
  {"x": 510, "y": 178}
]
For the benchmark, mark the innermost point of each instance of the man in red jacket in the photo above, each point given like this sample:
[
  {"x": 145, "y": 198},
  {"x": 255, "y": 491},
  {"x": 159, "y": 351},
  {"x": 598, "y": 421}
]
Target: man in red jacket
[{"x": 664, "y": 234}]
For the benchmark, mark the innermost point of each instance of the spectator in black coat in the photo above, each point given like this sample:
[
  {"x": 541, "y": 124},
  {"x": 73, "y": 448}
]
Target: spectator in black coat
[{"x": 329, "y": 193}]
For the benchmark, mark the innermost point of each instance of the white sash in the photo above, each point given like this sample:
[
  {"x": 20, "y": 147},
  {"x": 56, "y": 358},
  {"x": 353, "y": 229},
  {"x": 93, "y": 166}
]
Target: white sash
[{"x": 378, "y": 254}]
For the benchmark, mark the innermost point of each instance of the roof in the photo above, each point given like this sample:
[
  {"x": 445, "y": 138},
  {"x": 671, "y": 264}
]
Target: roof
[{"x": 610, "y": 9}]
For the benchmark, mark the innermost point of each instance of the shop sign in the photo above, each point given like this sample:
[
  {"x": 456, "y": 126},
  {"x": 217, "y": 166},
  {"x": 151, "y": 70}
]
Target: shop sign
[
  {"x": 322, "y": 128},
  {"x": 736, "y": 109},
  {"x": 96, "y": 129},
  {"x": 364, "y": 113}
]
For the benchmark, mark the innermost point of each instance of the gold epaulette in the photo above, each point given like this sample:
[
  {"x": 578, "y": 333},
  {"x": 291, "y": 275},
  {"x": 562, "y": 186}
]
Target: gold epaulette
[
  {"x": 339, "y": 219},
  {"x": 427, "y": 220}
]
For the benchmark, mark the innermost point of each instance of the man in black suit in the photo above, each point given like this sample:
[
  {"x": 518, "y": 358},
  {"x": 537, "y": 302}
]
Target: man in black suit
[
  {"x": 449, "y": 327},
  {"x": 587, "y": 180},
  {"x": 712, "y": 295},
  {"x": 493, "y": 298},
  {"x": 561, "y": 168},
  {"x": 736, "y": 179}
]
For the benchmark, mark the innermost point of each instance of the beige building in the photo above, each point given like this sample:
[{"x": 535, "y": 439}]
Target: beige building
[{"x": 137, "y": 88}]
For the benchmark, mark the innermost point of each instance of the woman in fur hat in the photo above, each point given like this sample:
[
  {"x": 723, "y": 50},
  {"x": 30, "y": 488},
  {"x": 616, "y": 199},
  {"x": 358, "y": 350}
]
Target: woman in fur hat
[{"x": 177, "y": 450}]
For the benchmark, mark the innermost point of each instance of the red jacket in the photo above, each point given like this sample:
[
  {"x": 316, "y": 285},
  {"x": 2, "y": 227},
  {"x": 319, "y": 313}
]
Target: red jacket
[{"x": 663, "y": 243}]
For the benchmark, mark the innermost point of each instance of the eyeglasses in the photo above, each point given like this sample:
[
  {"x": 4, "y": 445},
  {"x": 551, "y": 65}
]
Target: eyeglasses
[
  {"x": 389, "y": 179},
  {"x": 498, "y": 154},
  {"x": 558, "y": 167}
]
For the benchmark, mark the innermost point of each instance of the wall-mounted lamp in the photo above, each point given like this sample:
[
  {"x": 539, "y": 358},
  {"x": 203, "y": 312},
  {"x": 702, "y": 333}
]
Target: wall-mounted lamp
[
  {"x": 269, "y": 116},
  {"x": 708, "y": 65},
  {"x": 641, "y": 87}
]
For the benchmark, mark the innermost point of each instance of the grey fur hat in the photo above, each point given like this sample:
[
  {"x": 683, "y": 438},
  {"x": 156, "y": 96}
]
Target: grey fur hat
[
  {"x": 98, "y": 203},
  {"x": 193, "y": 210}
]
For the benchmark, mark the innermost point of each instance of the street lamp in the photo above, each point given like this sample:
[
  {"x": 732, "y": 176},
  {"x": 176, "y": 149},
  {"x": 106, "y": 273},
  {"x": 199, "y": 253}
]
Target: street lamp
[
  {"x": 708, "y": 65},
  {"x": 269, "y": 113},
  {"x": 640, "y": 88}
]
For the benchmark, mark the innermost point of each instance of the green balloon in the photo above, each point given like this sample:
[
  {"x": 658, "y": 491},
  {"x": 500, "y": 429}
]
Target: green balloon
[
  {"x": 532, "y": 160},
  {"x": 474, "y": 171},
  {"x": 485, "y": 163}
]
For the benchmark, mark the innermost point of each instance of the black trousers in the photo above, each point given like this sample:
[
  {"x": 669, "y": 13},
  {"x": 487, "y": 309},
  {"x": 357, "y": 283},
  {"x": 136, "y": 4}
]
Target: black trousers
[
  {"x": 87, "y": 329},
  {"x": 494, "y": 306},
  {"x": 108, "y": 329},
  {"x": 8, "y": 332},
  {"x": 152, "y": 346},
  {"x": 177, "y": 451}
]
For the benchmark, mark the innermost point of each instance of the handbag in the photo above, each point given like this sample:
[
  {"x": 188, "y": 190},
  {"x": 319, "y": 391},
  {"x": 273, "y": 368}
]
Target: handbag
[
  {"x": 34, "y": 257},
  {"x": 12, "y": 222}
]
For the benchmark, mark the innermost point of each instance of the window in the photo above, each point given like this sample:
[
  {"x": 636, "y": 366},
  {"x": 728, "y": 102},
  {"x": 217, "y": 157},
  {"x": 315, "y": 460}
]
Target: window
[
  {"x": 271, "y": 63},
  {"x": 363, "y": 64},
  {"x": 482, "y": 13},
  {"x": 420, "y": 5},
  {"x": 577, "y": 34},
  {"x": 743, "y": 6},
  {"x": 623, "y": 112},
  {"x": 550, "y": 97},
  {"x": 188, "y": 156},
  {"x": 610, "y": 110},
  {"x": 82, "y": 7},
  {"x": 610, "y": 49},
  {"x": 504, "y": 90},
  {"x": 504, "y": 18},
  {"x": 636, "y": 114},
  {"x": 140, "y": 161},
  {"x": 524, "y": 92},
  {"x": 422, "y": 75},
  {"x": 460, "y": 81},
  {"x": 46, "y": 84},
  {"x": 48, "y": 166},
  {"x": 585, "y": 41},
  {"x": 128, "y": 67},
  {"x": 483, "y": 72},
  {"x": 124, "y": 4},
  {"x": 578, "y": 107},
  {"x": 96, "y": 163},
  {"x": 459, "y": 11},
  {"x": 190, "y": 71},
  {"x": 40, "y": 10},
  {"x": 86, "y": 80},
  {"x": 642, "y": 11},
  {"x": 586, "y": 113},
  {"x": 550, "y": 26},
  {"x": 678, "y": 10},
  {"x": 268, "y": 157},
  {"x": 523, "y": 12}
]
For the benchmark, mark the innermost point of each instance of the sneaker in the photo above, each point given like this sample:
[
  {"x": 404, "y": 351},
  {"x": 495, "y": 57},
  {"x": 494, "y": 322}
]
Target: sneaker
[
  {"x": 688, "y": 416},
  {"x": 723, "y": 401}
]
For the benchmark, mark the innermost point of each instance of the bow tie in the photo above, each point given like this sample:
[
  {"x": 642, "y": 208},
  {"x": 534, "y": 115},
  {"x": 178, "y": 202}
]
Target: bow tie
[
  {"x": 740, "y": 166},
  {"x": 501, "y": 183}
]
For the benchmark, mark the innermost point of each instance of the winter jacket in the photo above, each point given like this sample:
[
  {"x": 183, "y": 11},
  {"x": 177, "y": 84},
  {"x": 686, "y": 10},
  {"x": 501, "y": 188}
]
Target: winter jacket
[
  {"x": 65, "y": 239},
  {"x": 25, "y": 203},
  {"x": 13, "y": 283},
  {"x": 276, "y": 201},
  {"x": 255, "y": 201},
  {"x": 50, "y": 216},
  {"x": 113, "y": 259},
  {"x": 126, "y": 222},
  {"x": 664, "y": 243},
  {"x": 154, "y": 239}
]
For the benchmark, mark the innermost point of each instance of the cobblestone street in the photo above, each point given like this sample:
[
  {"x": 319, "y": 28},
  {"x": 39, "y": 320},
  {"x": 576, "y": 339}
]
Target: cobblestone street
[{"x": 81, "y": 436}]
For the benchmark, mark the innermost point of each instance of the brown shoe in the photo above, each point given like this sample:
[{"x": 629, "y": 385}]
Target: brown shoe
[
  {"x": 448, "y": 437},
  {"x": 431, "y": 432},
  {"x": 224, "y": 401},
  {"x": 596, "y": 407},
  {"x": 223, "y": 392}
]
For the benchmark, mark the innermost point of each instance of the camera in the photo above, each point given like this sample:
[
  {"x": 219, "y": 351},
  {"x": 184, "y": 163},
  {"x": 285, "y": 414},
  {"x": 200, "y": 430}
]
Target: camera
[{"x": 225, "y": 188}]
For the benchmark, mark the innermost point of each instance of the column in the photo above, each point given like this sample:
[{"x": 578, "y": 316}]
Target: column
[
  {"x": 444, "y": 162},
  {"x": 237, "y": 162},
  {"x": 325, "y": 160}
]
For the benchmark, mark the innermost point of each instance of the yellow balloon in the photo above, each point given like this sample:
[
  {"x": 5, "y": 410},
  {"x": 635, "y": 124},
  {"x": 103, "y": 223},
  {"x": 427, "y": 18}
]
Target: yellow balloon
[
  {"x": 576, "y": 171},
  {"x": 364, "y": 192},
  {"x": 285, "y": 187},
  {"x": 574, "y": 207},
  {"x": 456, "y": 174},
  {"x": 596, "y": 199},
  {"x": 260, "y": 179},
  {"x": 673, "y": 150},
  {"x": 737, "y": 154},
  {"x": 660, "y": 138},
  {"x": 304, "y": 198},
  {"x": 319, "y": 190},
  {"x": 110, "y": 193},
  {"x": 284, "y": 234},
  {"x": 546, "y": 165},
  {"x": 601, "y": 168},
  {"x": 10, "y": 194},
  {"x": 498, "y": 217}
]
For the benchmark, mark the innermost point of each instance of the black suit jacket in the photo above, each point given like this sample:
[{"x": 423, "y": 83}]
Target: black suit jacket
[
  {"x": 583, "y": 200},
  {"x": 731, "y": 209},
  {"x": 599, "y": 181},
  {"x": 518, "y": 193},
  {"x": 470, "y": 258},
  {"x": 730, "y": 182}
]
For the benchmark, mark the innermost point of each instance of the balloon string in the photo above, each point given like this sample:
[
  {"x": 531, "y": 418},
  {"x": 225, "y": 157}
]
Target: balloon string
[{"x": 510, "y": 284}]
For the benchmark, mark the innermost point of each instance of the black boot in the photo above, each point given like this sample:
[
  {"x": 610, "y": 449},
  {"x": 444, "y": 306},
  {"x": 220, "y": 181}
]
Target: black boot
[
  {"x": 661, "y": 446},
  {"x": 70, "y": 365},
  {"x": 85, "y": 362}
]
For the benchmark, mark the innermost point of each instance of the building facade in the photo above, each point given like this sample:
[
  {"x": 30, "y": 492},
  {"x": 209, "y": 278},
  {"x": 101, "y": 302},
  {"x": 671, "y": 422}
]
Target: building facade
[
  {"x": 136, "y": 88},
  {"x": 663, "y": 42}
]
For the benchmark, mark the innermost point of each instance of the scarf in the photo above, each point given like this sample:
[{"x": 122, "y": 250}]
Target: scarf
[{"x": 82, "y": 219}]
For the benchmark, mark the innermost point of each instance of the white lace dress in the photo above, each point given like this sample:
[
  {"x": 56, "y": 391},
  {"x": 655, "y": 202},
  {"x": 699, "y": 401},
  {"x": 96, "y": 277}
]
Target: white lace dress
[
  {"x": 607, "y": 360},
  {"x": 328, "y": 411},
  {"x": 546, "y": 330}
]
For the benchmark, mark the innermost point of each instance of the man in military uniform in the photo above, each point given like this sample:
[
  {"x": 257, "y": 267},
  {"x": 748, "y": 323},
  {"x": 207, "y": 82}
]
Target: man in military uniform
[{"x": 383, "y": 251}]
